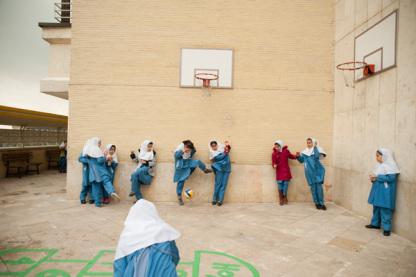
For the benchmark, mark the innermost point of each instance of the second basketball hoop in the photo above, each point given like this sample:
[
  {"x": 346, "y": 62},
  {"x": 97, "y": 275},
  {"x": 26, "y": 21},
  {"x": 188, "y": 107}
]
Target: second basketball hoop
[{"x": 348, "y": 71}]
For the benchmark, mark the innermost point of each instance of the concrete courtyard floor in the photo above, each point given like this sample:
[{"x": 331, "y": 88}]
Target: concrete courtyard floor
[{"x": 44, "y": 234}]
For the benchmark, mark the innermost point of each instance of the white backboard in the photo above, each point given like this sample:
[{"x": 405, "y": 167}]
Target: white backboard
[
  {"x": 217, "y": 61},
  {"x": 377, "y": 45}
]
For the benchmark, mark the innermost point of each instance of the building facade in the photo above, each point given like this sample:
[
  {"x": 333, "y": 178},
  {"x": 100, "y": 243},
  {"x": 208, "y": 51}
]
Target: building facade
[
  {"x": 124, "y": 87},
  {"x": 379, "y": 112}
]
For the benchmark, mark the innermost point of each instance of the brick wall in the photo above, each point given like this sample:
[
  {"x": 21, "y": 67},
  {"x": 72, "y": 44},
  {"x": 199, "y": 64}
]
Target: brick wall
[{"x": 124, "y": 87}]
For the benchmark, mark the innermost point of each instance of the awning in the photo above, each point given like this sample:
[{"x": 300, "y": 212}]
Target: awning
[{"x": 30, "y": 118}]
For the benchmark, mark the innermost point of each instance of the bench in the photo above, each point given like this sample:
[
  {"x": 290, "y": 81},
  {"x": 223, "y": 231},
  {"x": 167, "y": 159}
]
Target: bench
[
  {"x": 19, "y": 163},
  {"x": 52, "y": 156}
]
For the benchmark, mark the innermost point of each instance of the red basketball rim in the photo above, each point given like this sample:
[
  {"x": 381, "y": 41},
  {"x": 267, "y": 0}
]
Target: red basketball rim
[
  {"x": 351, "y": 65},
  {"x": 206, "y": 76}
]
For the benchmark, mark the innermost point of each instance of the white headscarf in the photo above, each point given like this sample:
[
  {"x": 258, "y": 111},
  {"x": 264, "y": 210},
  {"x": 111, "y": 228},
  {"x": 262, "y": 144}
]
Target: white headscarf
[
  {"x": 144, "y": 154},
  {"x": 84, "y": 149},
  {"x": 280, "y": 142},
  {"x": 92, "y": 149},
  {"x": 388, "y": 166},
  {"x": 309, "y": 151},
  {"x": 181, "y": 147},
  {"x": 143, "y": 227},
  {"x": 220, "y": 149},
  {"x": 62, "y": 145},
  {"x": 107, "y": 150}
]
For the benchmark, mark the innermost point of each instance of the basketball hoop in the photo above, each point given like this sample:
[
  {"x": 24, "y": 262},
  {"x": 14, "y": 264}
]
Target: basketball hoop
[
  {"x": 206, "y": 78},
  {"x": 348, "y": 70}
]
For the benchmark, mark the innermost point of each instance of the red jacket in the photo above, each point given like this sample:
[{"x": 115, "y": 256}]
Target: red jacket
[{"x": 281, "y": 160}]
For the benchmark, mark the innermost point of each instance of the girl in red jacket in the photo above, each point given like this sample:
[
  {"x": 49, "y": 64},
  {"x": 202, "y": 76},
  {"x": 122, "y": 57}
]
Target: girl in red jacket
[{"x": 280, "y": 162}]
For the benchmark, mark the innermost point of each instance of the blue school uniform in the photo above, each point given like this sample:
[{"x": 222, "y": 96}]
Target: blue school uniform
[
  {"x": 86, "y": 185},
  {"x": 184, "y": 168},
  {"x": 383, "y": 198},
  {"x": 222, "y": 170},
  {"x": 315, "y": 175},
  {"x": 99, "y": 178},
  {"x": 112, "y": 171},
  {"x": 62, "y": 160},
  {"x": 140, "y": 177},
  {"x": 159, "y": 259}
]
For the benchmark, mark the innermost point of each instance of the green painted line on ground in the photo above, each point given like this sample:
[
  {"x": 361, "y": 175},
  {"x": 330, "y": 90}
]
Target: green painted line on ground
[
  {"x": 195, "y": 269},
  {"x": 66, "y": 261},
  {"x": 85, "y": 271},
  {"x": 50, "y": 254},
  {"x": 186, "y": 263},
  {"x": 107, "y": 263},
  {"x": 11, "y": 273}
]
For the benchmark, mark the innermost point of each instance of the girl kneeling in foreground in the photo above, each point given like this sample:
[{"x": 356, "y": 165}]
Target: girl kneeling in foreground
[{"x": 146, "y": 247}]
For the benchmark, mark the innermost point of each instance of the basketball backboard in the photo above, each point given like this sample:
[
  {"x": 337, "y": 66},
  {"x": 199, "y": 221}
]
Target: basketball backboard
[
  {"x": 377, "y": 46},
  {"x": 211, "y": 61}
]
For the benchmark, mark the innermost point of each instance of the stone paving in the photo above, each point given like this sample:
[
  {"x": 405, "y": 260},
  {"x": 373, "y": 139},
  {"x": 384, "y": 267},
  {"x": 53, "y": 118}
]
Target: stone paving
[{"x": 44, "y": 234}]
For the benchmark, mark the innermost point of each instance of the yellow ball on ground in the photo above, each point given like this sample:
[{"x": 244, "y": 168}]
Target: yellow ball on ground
[{"x": 189, "y": 193}]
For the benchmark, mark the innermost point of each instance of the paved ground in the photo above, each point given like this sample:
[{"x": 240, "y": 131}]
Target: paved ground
[{"x": 43, "y": 234}]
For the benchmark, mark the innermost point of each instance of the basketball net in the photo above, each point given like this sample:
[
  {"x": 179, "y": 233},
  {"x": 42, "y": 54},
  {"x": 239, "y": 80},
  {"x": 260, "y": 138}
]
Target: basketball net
[
  {"x": 348, "y": 76},
  {"x": 206, "y": 91},
  {"x": 348, "y": 71}
]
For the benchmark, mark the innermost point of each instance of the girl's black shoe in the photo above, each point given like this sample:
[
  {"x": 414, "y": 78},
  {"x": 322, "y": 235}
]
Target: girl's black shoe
[
  {"x": 318, "y": 207},
  {"x": 83, "y": 202},
  {"x": 214, "y": 203},
  {"x": 219, "y": 204},
  {"x": 369, "y": 226},
  {"x": 91, "y": 201},
  {"x": 180, "y": 201},
  {"x": 386, "y": 233},
  {"x": 323, "y": 207}
]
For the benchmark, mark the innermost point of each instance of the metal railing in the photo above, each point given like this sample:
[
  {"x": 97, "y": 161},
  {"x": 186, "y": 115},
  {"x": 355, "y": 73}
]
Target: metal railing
[
  {"x": 63, "y": 11},
  {"x": 31, "y": 137}
]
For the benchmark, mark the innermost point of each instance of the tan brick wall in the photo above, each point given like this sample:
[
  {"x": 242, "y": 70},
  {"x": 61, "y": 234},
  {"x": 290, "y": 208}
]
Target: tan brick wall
[
  {"x": 379, "y": 112},
  {"x": 125, "y": 53}
]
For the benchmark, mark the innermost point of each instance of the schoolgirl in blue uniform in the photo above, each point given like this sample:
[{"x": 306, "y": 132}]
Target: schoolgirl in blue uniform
[
  {"x": 383, "y": 191},
  {"x": 111, "y": 163},
  {"x": 146, "y": 247},
  {"x": 219, "y": 155},
  {"x": 185, "y": 166},
  {"x": 99, "y": 176},
  {"x": 145, "y": 171},
  {"x": 314, "y": 170}
]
